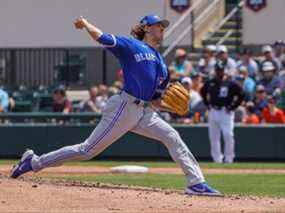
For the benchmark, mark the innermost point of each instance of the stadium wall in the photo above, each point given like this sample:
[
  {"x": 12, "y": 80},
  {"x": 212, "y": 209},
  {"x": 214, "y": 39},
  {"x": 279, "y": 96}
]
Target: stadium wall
[
  {"x": 264, "y": 26},
  {"x": 252, "y": 142},
  {"x": 41, "y": 23}
]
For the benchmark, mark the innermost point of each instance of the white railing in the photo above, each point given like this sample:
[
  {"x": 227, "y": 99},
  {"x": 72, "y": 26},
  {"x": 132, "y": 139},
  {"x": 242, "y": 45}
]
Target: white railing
[
  {"x": 196, "y": 23},
  {"x": 227, "y": 35},
  {"x": 181, "y": 19},
  {"x": 225, "y": 19},
  {"x": 206, "y": 13}
]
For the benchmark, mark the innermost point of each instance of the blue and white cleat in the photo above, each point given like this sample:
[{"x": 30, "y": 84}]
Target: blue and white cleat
[
  {"x": 202, "y": 189},
  {"x": 24, "y": 165}
]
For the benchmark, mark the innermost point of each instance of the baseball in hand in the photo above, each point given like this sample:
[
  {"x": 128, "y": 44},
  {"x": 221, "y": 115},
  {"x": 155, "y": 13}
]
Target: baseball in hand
[{"x": 80, "y": 23}]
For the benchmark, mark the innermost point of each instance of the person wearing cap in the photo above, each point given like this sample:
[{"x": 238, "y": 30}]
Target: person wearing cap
[
  {"x": 187, "y": 83},
  {"x": 270, "y": 80},
  {"x": 279, "y": 50},
  {"x": 248, "y": 84},
  {"x": 269, "y": 56},
  {"x": 195, "y": 97},
  {"x": 181, "y": 65},
  {"x": 248, "y": 61},
  {"x": 222, "y": 96},
  {"x": 271, "y": 113},
  {"x": 230, "y": 63},
  {"x": 145, "y": 79},
  {"x": 260, "y": 100},
  {"x": 195, "y": 103},
  {"x": 206, "y": 64}
]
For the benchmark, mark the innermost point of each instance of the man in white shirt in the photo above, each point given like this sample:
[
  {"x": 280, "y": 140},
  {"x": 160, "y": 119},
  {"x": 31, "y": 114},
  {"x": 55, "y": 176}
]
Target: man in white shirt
[
  {"x": 250, "y": 64},
  {"x": 230, "y": 63},
  {"x": 195, "y": 97},
  {"x": 101, "y": 99},
  {"x": 207, "y": 63}
]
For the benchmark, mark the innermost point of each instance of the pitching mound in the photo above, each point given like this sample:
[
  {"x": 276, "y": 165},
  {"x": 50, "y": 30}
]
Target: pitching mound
[{"x": 30, "y": 195}]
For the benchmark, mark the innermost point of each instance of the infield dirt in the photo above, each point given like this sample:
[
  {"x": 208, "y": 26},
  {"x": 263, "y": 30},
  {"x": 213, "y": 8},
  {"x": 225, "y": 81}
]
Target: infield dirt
[{"x": 31, "y": 194}]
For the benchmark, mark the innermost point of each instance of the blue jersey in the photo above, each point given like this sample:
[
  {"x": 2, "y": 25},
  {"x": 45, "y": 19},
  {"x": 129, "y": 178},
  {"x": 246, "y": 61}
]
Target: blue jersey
[{"x": 144, "y": 69}]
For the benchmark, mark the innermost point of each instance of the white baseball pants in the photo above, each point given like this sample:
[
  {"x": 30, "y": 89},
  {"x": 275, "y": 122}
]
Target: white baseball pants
[
  {"x": 120, "y": 116},
  {"x": 221, "y": 121}
]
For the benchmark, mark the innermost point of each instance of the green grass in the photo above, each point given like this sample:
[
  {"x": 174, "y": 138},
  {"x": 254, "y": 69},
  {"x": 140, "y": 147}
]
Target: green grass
[
  {"x": 167, "y": 164},
  {"x": 272, "y": 185},
  {"x": 5, "y": 162},
  {"x": 243, "y": 184},
  {"x": 245, "y": 165}
]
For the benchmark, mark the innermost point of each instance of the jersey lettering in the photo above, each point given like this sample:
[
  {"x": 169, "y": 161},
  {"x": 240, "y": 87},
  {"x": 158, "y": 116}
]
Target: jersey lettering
[
  {"x": 144, "y": 57},
  {"x": 223, "y": 92}
]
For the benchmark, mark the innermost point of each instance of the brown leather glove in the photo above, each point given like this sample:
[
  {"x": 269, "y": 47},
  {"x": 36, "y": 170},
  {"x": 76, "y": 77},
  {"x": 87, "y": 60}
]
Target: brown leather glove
[{"x": 176, "y": 99}]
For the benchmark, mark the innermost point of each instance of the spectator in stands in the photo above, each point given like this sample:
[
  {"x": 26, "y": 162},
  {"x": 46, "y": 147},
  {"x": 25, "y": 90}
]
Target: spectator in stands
[
  {"x": 12, "y": 104},
  {"x": 90, "y": 104},
  {"x": 247, "y": 83},
  {"x": 282, "y": 74},
  {"x": 260, "y": 100},
  {"x": 240, "y": 113},
  {"x": 231, "y": 66},
  {"x": 120, "y": 76},
  {"x": 173, "y": 74},
  {"x": 187, "y": 84},
  {"x": 112, "y": 91},
  {"x": 4, "y": 101},
  {"x": 195, "y": 100},
  {"x": 250, "y": 64},
  {"x": 118, "y": 85},
  {"x": 60, "y": 101},
  {"x": 281, "y": 101},
  {"x": 195, "y": 97},
  {"x": 197, "y": 81},
  {"x": 197, "y": 106},
  {"x": 279, "y": 50},
  {"x": 269, "y": 56},
  {"x": 206, "y": 64},
  {"x": 270, "y": 80},
  {"x": 181, "y": 65},
  {"x": 101, "y": 99},
  {"x": 271, "y": 113},
  {"x": 250, "y": 117}
]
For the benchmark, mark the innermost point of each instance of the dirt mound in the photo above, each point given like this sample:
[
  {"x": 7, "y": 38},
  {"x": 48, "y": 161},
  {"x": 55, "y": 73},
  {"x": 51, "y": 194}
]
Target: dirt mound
[
  {"x": 36, "y": 193},
  {"x": 30, "y": 195}
]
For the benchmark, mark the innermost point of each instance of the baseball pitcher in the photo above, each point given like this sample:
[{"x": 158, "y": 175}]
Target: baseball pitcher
[{"x": 145, "y": 87}]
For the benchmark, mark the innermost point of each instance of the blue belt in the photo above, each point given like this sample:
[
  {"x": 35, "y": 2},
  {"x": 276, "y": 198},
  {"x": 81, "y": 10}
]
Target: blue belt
[{"x": 141, "y": 103}]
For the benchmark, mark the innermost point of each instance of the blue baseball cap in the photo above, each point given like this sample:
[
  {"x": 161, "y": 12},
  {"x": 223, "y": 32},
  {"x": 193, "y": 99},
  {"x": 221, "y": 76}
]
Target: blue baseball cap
[{"x": 154, "y": 19}]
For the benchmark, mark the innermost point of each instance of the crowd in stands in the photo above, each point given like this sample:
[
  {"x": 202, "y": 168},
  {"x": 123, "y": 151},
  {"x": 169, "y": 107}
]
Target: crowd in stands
[{"x": 262, "y": 77}]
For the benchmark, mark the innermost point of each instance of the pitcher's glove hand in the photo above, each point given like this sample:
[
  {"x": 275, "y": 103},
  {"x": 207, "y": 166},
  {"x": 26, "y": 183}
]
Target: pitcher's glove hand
[{"x": 176, "y": 99}]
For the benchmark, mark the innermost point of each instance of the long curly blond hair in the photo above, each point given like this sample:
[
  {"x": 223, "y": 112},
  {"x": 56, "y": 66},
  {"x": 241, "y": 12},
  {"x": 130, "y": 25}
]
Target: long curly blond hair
[{"x": 138, "y": 32}]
